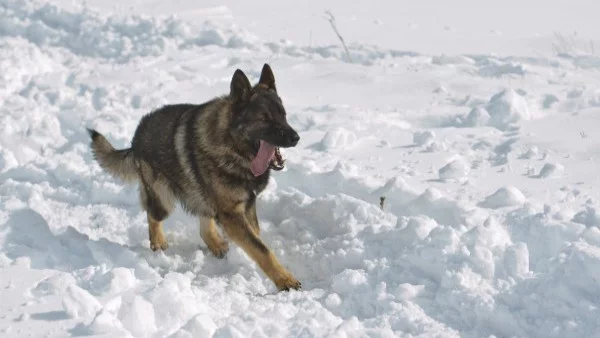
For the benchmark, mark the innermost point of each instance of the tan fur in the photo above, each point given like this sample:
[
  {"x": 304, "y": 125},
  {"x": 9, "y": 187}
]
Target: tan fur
[
  {"x": 208, "y": 231},
  {"x": 117, "y": 163},
  {"x": 157, "y": 236},
  {"x": 238, "y": 228},
  {"x": 253, "y": 219}
]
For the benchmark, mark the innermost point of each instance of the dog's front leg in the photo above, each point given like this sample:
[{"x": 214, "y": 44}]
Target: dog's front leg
[
  {"x": 252, "y": 217},
  {"x": 208, "y": 231},
  {"x": 238, "y": 228}
]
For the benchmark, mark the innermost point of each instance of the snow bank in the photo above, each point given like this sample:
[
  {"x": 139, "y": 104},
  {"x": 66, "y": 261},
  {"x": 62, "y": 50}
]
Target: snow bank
[
  {"x": 86, "y": 33},
  {"x": 496, "y": 68},
  {"x": 451, "y": 60}
]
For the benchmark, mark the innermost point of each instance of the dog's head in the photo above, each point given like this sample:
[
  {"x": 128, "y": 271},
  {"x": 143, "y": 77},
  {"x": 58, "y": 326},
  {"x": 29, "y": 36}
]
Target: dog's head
[{"x": 259, "y": 120}]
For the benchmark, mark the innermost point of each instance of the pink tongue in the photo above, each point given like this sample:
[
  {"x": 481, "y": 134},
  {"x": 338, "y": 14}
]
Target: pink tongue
[{"x": 260, "y": 163}]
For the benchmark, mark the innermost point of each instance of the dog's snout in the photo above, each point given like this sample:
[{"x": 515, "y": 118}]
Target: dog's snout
[
  {"x": 294, "y": 138},
  {"x": 286, "y": 137}
]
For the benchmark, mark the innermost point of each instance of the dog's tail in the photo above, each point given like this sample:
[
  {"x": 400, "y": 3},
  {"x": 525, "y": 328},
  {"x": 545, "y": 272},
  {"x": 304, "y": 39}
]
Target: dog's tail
[{"x": 119, "y": 163}]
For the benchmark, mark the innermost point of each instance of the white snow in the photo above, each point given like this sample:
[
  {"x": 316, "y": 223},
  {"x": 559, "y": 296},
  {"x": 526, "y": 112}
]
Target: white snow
[
  {"x": 477, "y": 117},
  {"x": 455, "y": 170},
  {"x": 78, "y": 303},
  {"x": 478, "y": 130},
  {"x": 421, "y": 138},
  {"x": 516, "y": 260},
  {"x": 504, "y": 197},
  {"x": 338, "y": 138},
  {"x": 506, "y": 108},
  {"x": 406, "y": 291},
  {"x": 551, "y": 170}
]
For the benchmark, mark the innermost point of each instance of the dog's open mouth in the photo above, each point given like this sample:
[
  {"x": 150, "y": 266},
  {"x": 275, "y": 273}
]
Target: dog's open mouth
[
  {"x": 277, "y": 162},
  {"x": 267, "y": 156}
]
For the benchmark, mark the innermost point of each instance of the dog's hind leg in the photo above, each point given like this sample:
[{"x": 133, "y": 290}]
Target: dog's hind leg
[
  {"x": 208, "y": 231},
  {"x": 156, "y": 234},
  {"x": 156, "y": 213},
  {"x": 155, "y": 199}
]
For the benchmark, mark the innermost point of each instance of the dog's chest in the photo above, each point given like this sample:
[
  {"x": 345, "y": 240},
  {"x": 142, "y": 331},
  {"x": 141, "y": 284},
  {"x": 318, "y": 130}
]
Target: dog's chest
[
  {"x": 258, "y": 184},
  {"x": 240, "y": 186}
]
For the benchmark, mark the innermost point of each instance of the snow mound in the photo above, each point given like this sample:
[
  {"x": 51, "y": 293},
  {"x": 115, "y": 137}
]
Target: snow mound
[
  {"x": 477, "y": 117},
  {"x": 137, "y": 316},
  {"x": 549, "y": 100},
  {"x": 78, "y": 303},
  {"x": 530, "y": 153},
  {"x": 551, "y": 170},
  {"x": 506, "y": 108},
  {"x": 504, "y": 197},
  {"x": 338, "y": 138},
  {"x": 589, "y": 217},
  {"x": 423, "y": 138},
  {"x": 105, "y": 323},
  {"x": 201, "y": 325},
  {"x": 436, "y": 146},
  {"x": 503, "y": 110},
  {"x": 118, "y": 280},
  {"x": 455, "y": 170}
]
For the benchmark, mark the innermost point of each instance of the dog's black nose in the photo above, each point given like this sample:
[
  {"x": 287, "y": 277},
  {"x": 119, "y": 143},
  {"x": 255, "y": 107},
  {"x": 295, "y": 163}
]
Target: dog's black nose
[
  {"x": 287, "y": 137},
  {"x": 294, "y": 138}
]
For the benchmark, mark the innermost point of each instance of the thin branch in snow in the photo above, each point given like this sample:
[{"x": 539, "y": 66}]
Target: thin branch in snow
[{"x": 331, "y": 20}]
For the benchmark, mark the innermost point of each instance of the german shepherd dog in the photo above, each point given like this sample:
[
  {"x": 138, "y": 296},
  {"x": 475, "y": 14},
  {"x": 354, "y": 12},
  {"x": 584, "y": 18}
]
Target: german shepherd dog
[{"x": 214, "y": 159}]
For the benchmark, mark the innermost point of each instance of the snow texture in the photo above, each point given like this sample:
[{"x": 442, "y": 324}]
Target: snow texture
[
  {"x": 455, "y": 170},
  {"x": 477, "y": 131},
  {"x": 504, "y": 197}
]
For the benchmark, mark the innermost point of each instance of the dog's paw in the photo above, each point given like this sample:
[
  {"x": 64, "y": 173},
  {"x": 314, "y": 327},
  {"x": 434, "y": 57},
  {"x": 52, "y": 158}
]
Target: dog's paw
[
  {"x": 155, "y": 246},
  {"x": 219, "y": 249},
  {"x": 288, "y": 282},
  {"x": 159, "y": 242}
]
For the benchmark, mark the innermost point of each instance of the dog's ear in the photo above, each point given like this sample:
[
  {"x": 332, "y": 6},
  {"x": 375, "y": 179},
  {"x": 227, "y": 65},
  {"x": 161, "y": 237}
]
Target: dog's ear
[
  {"x": 240, "y": 87},
  {"x": 267, "y": 79}
]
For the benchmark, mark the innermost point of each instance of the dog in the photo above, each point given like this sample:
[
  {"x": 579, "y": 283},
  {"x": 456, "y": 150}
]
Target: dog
[{"x": 214, "y": 159}]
